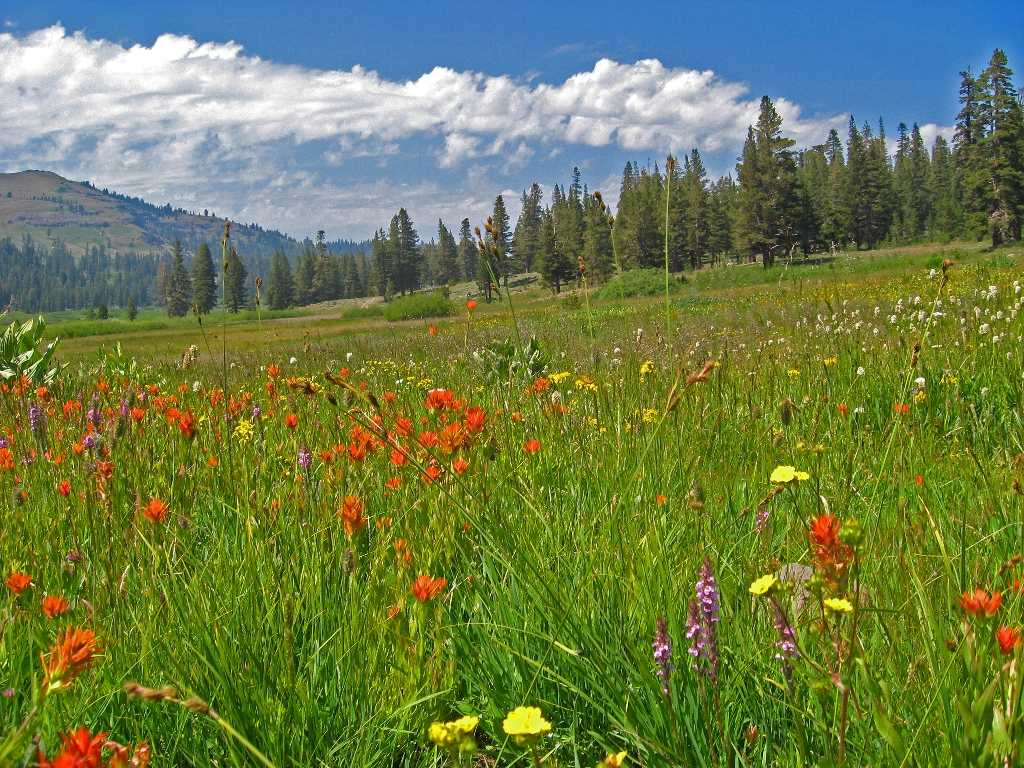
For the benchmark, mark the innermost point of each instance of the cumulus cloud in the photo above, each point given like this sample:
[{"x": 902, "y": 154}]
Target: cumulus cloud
[{"x": 163, "y": 119}]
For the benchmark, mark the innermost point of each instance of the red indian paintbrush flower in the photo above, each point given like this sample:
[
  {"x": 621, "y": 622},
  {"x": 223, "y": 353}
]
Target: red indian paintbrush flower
[
  {"x": 79, "y": 749},
  {"x": 351, "y": 514},
  {"x": 69, "y": 656},
  {"x": 531, "y": 446},
  {"x": 18, "y": 582},
  {"x": 54, "y": 606},
  {"x": 1008, "y": 639},
  {"x": 156, "y": 510},
  {"x": 426, "y": 588},
  {"x": 981, "y": 603}
]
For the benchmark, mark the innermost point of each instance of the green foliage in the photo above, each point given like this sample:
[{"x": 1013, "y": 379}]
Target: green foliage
[
  {"x": 638, "y": 282},
  {"x": 236, "y": 291},
  {"x": 362, "y": 313},
  {"x": 178, "y": 290},
  {"x": 418, "y": 306},
  {"x": 204, "y": 280},
  {"x": 23, "y": 353}
]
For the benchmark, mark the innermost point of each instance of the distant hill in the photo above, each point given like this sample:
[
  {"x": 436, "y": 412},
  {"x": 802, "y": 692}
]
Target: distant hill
[{"x": 49, "y": 207}]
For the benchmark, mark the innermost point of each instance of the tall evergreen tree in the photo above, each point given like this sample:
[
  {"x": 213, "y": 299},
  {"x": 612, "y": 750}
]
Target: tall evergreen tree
[
  {"x": 768, "y": 201},
  {"x": 204, "y": 280},
  {"x": 526, "y": 238},
  {"x": 555, "y": 266},
  {"x": 468, "y": 255},
  {"x": 447, "y": 255},
  {"x": 1000, "y": 150},
  {"x": 305, "y": 269},
  {"x": 502, "y": 239},
  {"x": 236, "y": 294},
  {"x": 403, "y": 245},
  {"x": 280, "y": 291},
  {"x": 179, "y": 286}
]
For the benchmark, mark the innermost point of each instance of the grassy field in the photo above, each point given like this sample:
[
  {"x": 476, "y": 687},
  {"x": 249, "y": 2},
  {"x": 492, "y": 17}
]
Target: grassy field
[{"x": 750, "y": 533}]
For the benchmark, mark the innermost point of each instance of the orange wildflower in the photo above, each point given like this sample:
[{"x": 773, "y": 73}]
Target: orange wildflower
[
  {"x": 471, "y": 304},
  {"x": 351, "y": 514},
  {"x": 426, "y": 588},
  {"x": 291, "y": 421},
  {"x": 156, "y": 510},
  {"x": 54, "y": 606},
  {"x": 18, "y": 582},
  {"x": 1008, "y": 639},
  {"x": 981, "y": 603},
  {"x": 459, "y": 466},
  {"x": 531, "y": 446},
  {"x": 64, "y": 488},
  {"x": 69, "y": 656}
]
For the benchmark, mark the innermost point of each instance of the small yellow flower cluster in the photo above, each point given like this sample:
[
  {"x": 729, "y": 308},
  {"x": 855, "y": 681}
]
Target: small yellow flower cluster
[
  {"x": 455, "y": 735},
  {"x": 585, "y": 382},
  {"x": 838, "y": 605},
  {"x": 786, "y": 474},
  {"x": 558, "y": 378},
  {"x": 830, "y": 361},
  {"x": 243, "y": 431},
  {"x": 646, "y": 367},
  {"x": 648, "y": 415}
]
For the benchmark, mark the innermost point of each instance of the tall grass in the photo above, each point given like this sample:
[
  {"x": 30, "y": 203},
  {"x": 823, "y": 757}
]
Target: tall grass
[{"x": 304, "y": 635}]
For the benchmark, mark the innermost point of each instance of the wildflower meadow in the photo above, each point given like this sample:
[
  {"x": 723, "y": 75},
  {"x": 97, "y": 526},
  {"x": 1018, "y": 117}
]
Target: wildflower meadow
[{"x": 773, "y": 522}]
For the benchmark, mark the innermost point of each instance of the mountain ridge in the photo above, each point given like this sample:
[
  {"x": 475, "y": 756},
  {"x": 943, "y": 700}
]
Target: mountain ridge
[{"x": 49, "y": 207}]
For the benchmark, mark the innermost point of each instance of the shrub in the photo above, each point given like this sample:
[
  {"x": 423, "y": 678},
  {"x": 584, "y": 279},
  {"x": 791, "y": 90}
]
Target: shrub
[
  {"x": 358, "y": 313},
  {"x": 639, "y": 282},
  {"x": 418, "y": 306}
]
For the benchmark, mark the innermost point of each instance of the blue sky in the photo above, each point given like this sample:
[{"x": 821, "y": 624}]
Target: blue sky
[{"x": 330, "y": 115}]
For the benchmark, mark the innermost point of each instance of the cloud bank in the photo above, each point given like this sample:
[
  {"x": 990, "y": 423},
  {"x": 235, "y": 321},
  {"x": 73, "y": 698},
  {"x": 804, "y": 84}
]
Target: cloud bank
[{"x": 204, "y": 124}]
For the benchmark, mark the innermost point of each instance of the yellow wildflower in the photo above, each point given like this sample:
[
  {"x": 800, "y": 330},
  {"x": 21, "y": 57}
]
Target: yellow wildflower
[
  {"x": 920, "y": 396},
  {"x": 614, "y": 760},
  {"x": 838, "y": 605},
  {"x": 649, "y": 415},
  {"x": 793, "y": 372},
  {"x": 457, "y": 733},
  {"x": 787, "y": 474},
  {"x": 526, "y": 724},
  {"x": 830, "y": 361},
  {"x": 559, "y": 377},
  {"x": 762, "y": 585},
  {"x": 646, "y": 367}
]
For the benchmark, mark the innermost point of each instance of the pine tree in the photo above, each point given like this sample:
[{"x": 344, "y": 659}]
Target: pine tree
[
  {"x": 555, "y": 266},
  {"x": 696, "y": 197},
  {"x": 403, "y": 247},
  {"x": 942, "y": 193},
  {"x": 448, "y": 255},
  {"x": 526, "y": 238},
  {"x": 179, "y": 288},
  {"x": 468, "y": 255},
  {"x": 235, "y": 288},
  {"x": 769, "y": 204},
  {"x": 1000, "y": 162},
  {"x": 280, "y": 291},
  {"x": 502, "y": 238},
  {"x": 305, "y": 269},
  {"x": 383, "y": 284},
  {"x": 597, "y": 239},
  {"x": 133, "y": 309},
  {"x": 204, "y": 281}
]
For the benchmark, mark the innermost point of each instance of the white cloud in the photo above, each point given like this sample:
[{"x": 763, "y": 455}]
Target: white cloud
[
  {"x": 179, "y": 115},
  {"x": 929, "y": 132}
]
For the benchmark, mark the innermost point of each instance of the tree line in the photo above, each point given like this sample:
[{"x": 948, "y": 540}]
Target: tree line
[{"x": 847, "y": 192}]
